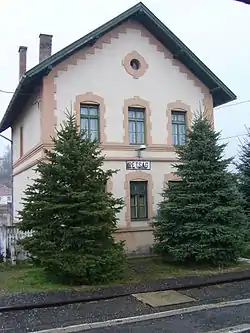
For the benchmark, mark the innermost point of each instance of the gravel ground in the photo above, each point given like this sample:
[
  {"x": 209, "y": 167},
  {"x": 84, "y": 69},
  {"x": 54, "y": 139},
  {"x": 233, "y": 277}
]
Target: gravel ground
[
  {"x": 38, "y": 319},
  {"x": 199, "y": 322},
  {"x": 220, "y": 292}
]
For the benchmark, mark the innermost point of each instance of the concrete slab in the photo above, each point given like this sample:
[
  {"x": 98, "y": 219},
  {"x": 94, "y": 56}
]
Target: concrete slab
[{"x": 163, "y": 298}]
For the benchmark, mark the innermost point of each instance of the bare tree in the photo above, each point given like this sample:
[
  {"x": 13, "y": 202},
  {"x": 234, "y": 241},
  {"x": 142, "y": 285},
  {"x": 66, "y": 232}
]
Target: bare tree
[{"x": 6, "y": 168}]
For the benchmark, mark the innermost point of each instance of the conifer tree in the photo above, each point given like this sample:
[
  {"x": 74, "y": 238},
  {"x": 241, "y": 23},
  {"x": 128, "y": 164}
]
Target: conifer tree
[
  {"x": 71, "y": 215},
  {"x": 201, "y": 218},
  {"x": 243, "y": 167}
]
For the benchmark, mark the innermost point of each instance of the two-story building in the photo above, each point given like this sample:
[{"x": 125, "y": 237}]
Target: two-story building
[{"x": 134, "y": 86}]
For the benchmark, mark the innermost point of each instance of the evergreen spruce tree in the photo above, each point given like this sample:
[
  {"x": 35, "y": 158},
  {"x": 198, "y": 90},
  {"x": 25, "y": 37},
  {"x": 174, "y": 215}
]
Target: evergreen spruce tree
[
  {"x": 243, "y": 168},
  {"x": 72, "y": 217},
  {"x": 201, "y": 218}
]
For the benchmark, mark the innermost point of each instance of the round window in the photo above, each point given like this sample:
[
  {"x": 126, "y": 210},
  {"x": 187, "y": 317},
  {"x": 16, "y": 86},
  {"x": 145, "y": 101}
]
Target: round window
[{"x": 135, "y": 64}]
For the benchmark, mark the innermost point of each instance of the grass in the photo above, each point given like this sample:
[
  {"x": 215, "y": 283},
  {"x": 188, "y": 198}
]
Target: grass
[{"x": 25, "y": 278}]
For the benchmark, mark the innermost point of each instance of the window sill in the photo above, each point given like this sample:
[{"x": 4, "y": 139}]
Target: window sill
[
  {"x": 137, "y": 144},
  {"x": 142, "y": 223},
  {"x": 135, "y": 229}
]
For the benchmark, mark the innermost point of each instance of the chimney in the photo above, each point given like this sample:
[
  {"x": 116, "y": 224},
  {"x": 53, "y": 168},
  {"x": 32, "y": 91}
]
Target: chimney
[
  {"x": 45, "y": 46},
  {"x": 22, "y": 60}
]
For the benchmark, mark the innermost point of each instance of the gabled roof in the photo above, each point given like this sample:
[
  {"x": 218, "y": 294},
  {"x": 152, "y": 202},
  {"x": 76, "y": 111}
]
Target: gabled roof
[
  {"x": 220, "y": 92},
  {"x": 244, "y": 1}
]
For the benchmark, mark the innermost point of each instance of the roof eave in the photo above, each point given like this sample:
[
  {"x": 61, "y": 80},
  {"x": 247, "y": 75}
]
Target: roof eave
[
  {"x": 4, "y": 123},
  {"x": 14, "y": 107}
]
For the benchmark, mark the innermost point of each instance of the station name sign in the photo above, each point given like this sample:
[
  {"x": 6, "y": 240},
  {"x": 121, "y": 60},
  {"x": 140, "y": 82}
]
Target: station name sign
[{"x": 138, "y": 165}]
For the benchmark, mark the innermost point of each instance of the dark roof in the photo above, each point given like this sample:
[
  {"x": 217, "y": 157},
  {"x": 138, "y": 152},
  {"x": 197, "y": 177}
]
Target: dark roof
[
  {"x": 220, "y": 92},
  {"x": 244, "y": 1}
]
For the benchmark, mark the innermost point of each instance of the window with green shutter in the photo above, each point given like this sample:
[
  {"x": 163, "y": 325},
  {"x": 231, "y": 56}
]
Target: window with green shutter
[
  {"x": 89, "y": 121},
  {"x": 136, "y": 125},
  {"x": 179, "y": 128},
  {"x": 138, "y": 200}
]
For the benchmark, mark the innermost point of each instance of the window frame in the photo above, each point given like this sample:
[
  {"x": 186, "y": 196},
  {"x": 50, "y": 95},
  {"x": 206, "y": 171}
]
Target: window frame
[
  {"x": 137, "y": 109},
  {"x": 89, "y": 117},
  {"x": 179, "y": 112},
  {"x": 137, "y": 207}
]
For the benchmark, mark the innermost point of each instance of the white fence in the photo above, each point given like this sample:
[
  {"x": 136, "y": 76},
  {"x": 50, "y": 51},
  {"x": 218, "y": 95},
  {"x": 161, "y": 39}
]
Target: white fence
[
  {"x": 9, "y": 249},
  {"x": 5, "y": 214}
]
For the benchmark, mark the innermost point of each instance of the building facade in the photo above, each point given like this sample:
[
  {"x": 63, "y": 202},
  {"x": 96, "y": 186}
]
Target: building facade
[{"x": 130, "y": 92}]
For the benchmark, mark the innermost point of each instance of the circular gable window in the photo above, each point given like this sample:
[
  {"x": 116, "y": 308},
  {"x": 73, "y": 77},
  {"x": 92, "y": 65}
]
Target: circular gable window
[{"x": 135, "y": 64}]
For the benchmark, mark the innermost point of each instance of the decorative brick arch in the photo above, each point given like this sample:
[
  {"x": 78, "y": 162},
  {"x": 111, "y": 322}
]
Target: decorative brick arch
[
  {"x": 170, "y": 176},
  {"x": 138, "y": 176},
  {"x": 92, "y": 98},
  {"x": 177, "y": 106},
  {"x": 136, "y": 101}
]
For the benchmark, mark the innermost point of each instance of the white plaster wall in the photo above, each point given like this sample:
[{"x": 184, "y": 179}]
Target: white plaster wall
[
  {"x": 30, "y": 120},
  {"x": 118, "y": 185},
  {"x": 158, "y": 170},
  {"x": 103, "y": 74},
  {"x": 26, "y": 163},
  {"x": 145, "y": 154},
  {"x": 20, "y": 181},
  {"x": 23, "y": 175}
]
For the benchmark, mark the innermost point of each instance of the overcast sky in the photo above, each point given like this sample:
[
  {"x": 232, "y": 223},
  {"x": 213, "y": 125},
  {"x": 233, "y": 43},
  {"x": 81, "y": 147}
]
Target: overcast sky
[{"x": 217, "y": 31}]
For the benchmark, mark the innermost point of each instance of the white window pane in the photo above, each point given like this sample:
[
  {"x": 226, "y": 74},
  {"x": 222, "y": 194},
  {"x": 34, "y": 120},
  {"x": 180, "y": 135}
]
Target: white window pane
[
  {"x": 93, "y": 111},
  {"x": 181, "y": 117},
  {"x": 140, "y": 114},
  {"x": 131, "y": 114},
  {"x": 94, "y": 135},
  {"x": 93, "y": 124},
  {"x": 182, "y": 139},
  {"x": 140, "y": 138},
  {"x": 132, "y": 126},
  {"x": 84, "y": 124},
  {"x": 175, "y": 129},
  {"x": 174, "y": 117},
  {"x": 178, "y": 117},
  {"x": 182, "y": 129},
  {"x": 132, "y": 137},
  {"x": 175, "y": 139},
  {"x": 140, "y": 126},
  {"x": 84, "y": 110}
]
